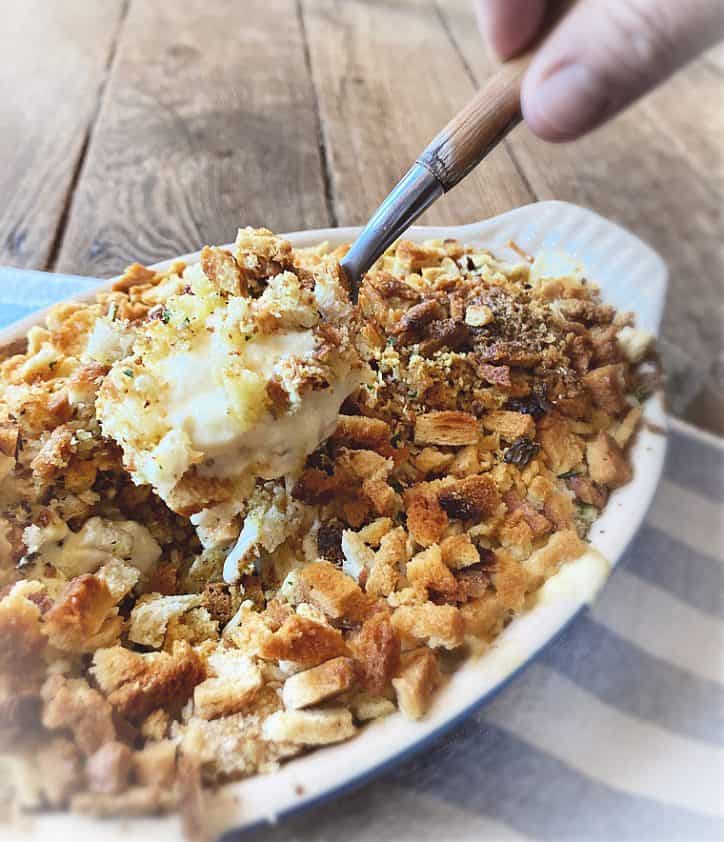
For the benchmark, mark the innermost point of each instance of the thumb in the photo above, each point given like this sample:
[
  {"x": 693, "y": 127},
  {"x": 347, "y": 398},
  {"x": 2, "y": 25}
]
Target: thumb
[{"x": 605, "y": 54}]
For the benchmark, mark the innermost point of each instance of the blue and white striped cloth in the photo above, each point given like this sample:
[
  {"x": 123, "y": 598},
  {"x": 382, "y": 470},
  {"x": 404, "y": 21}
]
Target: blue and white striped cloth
[{"x": 615, "y": 733}]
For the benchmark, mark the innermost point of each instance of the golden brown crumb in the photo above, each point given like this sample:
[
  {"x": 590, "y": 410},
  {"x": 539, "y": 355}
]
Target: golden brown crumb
[
  {"x": 436, "y": 625},
  {"x": 606, "y": 462},
  {"x": 310, "y": 727},
  {"x": 426, "y": 518},
  {"x": 155, "y": 764},
  {"x": 494, "y": 412},
  {"x": 428, "y": 569},
  {"x": 608, "y": 387},
  {"x": 137, "y": 684},
  {"x": 80, "y": 613},
  {"x": 318, "y": 684},
  {"x": 108, "y": 769},
  {"x": 376, "y": 648},
  {"x": 416, "y": 683},
  {"x": 446, "y": 427},
  {"x": 222, "y": 270},
  {"x": 73, "y": 704},
  {"x": 333, "y": 592},
  {"x": 471, "y": 498},
  {"x": 305, "y": 642}
]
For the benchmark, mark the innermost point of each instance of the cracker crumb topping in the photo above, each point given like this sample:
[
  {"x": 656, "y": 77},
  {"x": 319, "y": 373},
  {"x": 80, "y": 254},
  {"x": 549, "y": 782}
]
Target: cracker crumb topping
[{"x": 185, "y": 602}]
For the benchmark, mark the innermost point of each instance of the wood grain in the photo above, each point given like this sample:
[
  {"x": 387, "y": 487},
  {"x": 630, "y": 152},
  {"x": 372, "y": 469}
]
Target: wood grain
[
  {"x": 208, "y": 122},
  {"x": 54, "y": 58},
  {"x": 387, "y": 79},
  {"x": 657, "y": 170}
]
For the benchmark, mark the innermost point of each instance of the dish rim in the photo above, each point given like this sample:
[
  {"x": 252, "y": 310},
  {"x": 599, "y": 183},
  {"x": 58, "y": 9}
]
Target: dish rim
[{"x": 648, "y": 455}]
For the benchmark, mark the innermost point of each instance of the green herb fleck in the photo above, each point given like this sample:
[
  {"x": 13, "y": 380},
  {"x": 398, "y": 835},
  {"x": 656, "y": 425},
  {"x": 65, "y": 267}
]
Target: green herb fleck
[
  {"x": 165, "y": 315},
  {"x": 569, "y": 474},
  {"x": 128, "y": 372}
]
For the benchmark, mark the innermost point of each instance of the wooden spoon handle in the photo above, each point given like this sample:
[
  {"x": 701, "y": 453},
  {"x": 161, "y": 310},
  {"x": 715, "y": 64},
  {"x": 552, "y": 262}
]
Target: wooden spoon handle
[
  {"x": 477, "y": 127},
  {"x": 487, "y": 118}
]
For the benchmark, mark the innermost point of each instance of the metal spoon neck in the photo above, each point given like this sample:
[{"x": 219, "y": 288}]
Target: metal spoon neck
[{"x": 414, "y": 193}]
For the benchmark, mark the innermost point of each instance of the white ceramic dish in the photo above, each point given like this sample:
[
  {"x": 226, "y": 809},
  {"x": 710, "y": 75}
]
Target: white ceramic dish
[{"x": 632, "y": 277}]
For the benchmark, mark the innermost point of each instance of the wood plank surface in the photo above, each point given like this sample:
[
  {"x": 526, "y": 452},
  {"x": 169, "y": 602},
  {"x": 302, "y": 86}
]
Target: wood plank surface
[
  {"x": 208, "y": 122},
  {"x": 656, "y": 169},
  {"x": 388, "y": 78},
  {"x": 139, "y": 130},
  {"x": 54, "y": 61}
]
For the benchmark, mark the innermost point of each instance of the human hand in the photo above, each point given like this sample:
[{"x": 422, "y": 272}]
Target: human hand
[{"x": 600, "y": 57}]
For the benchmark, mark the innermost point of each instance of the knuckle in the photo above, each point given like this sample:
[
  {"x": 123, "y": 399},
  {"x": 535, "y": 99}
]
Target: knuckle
[{"x": 644, "y": 35}]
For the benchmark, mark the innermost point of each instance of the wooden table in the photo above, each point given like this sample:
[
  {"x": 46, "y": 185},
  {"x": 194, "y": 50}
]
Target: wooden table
[{"x": 140, "y": 129}]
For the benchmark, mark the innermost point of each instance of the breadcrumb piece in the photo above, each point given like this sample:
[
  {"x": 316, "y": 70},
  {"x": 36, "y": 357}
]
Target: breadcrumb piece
[
  {"x": 436, "y": 625},
  {"x": 108, "y": 769},
  {"x": 310, "y": 727},
  {"x": 357, "y": 555},
  {"x": 151, "y": 615},
  {"x": 23, "y": 642},
  {"x": 471, "y": 498},
  {"x": 72, "y": 703},
  {"x": 446, "y": 427},
  {"x": 366, "y": 708},
  {"x": 155, "y": 764},
  {"x": 119, "y": 578},
  {"x": 458, "y": 552},
  {"x": 428, "y": 568},
  {"x": 426, "y": 518},
  {"x": 430, "y": 460},
  {"x": 563, "y": 448},
  {"x": 303, "y": 641},
  {"x": 318, "y": 684},
  {"x": 608, "y": 387},
  {"x": 155, "y": 726},
  {"x": 234, "y": 686},
  {"x": 483, "y": 617},
  {"x": 387, "y": 563},
  {"x": 376, "y": 649},
  {"x": 416, "y": 683},
  {"x": 510, "y": 580},
  {"x": 359, "y": 432},
  {"x": 606, "y": 462},
  {"x": 137, "y": 684},
  {"x": 332, "y": 591},
  {"x": 510, "y": 425},
  {"x": 79, "y": 614},
  {"x": 562, "y": 547}
]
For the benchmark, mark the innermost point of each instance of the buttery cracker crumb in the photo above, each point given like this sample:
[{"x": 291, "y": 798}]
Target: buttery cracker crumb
[{"x": 186, "y": 602}]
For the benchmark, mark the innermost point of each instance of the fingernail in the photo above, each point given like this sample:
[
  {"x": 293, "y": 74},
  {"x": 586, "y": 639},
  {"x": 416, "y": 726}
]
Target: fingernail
[{"x": 570, "y": 101}]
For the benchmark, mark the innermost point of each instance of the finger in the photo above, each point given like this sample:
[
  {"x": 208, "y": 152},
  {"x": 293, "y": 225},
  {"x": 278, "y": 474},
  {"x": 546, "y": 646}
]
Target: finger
[
  {"x": 606, "y": 53},
  {"x": 510, "y": 25}
]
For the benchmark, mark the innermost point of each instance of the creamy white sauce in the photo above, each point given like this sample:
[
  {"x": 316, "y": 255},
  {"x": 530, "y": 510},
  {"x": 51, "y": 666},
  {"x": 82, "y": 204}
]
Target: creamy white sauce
[
  {"x": 277, "y": 446},
  {"x": 198, "y": 405},
  {"x": 97, "y": 542}
]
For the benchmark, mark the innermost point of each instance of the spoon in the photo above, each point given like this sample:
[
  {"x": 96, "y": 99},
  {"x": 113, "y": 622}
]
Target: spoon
[{"x": 473, "y": 132}]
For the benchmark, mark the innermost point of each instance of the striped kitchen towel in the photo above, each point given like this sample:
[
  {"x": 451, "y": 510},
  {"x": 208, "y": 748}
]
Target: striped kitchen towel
[{"x": 615, "y": 733}]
